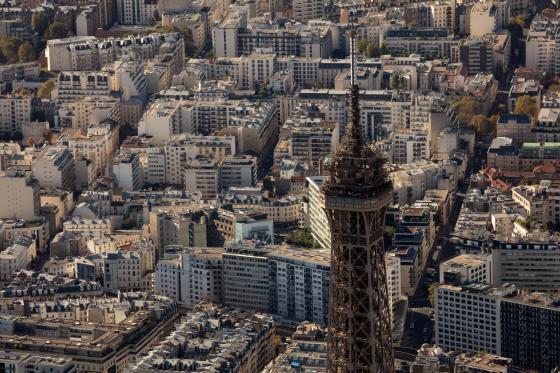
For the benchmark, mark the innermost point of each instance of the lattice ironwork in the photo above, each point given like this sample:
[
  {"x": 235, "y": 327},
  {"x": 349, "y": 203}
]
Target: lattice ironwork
[{"x": 357, "y": 193}]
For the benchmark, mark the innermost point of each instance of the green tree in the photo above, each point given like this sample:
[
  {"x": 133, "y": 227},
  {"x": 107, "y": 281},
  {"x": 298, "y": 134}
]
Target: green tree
[
  {"x": 39, "y": 22},
  {"x": 483, "y": 125},
  {"x": 526, "y": 105},
  {"x": 466, "y": 108},
  {"x": 515, "y": 26},
  {"x": 432, "y": 294},
  {"x": 10, "y": 48},
  {"x": 26, "y": 53},
  {"x": 412, "y": 24},
  {"x": 46, "y": 89},
  {"x": 56, "y": 30},
  {"x": 397, "y": 81},
  {"x": 361, "y": 46},
  {"x": 20, "y": 91},
  {"x": 48, "y": 134},
  {"x": 302, "y": 238},
  {"x": 129, "y": 223}
]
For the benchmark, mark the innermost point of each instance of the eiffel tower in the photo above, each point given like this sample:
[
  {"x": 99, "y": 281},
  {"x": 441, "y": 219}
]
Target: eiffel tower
[{"x": 357, "y": 192}]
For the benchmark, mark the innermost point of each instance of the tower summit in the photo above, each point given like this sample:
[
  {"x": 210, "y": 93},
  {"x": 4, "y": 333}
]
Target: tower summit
[{"x": 357, "y": 193}]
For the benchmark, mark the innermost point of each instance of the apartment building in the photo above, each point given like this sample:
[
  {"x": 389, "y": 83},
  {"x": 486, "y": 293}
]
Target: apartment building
[
  {"x": 310, "y": 138},
  {"x": 442, "y": 14},
  {"x": 177, "y": 228},
  {"x": 123, "y": 270},
  {"x": 409, "y": 147},
  {"x": 299, "y": 283},
  {"x": 36, "y": 228},
  {"x": 137, "y": 12},
  {"x": 466, "y": 268},
  {"x": 17, "y": 256},
  {"x": 87, "y": 110},
  {"x": 54, "y": 168},
  {"x": 504, "y": 320},
  {"x": 246, "y": 278},
  {"x": 306, "y": 10},
  {"x": 528, "y": 264},
  {"x": 244, "y": 342},
  {"x": 87, "y": 53},
  {"x": 483, "y": 88},
  {"x": 14, "y": 112},
  {"x": 77, "y": 85},
  {"x": 19, "y": 71},
  {"x": 317, "y": 221},
  {"x": 425, "y": 42},
  {"x": 202, "y": 175},
  {"x": 18, "y": 362},
  {"x": 128, "y": 76},
  {"x": 183, "y": 148},
  {"x": 282, "y": 211},
  {"x": 467, "y": 319},
  {"x": 238, "y": 171},
  {"x": 164, "y": 118},
  {"x": 233, "y": 38},
  {"x": 516, "y": 127},
  {"x": 98, "y": 145},
  {"x": 21, "y": 195},
  {"x": 128, "y": 172}
]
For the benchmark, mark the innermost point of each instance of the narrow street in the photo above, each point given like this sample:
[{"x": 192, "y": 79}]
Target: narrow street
[{"x": 419, "y": 324}]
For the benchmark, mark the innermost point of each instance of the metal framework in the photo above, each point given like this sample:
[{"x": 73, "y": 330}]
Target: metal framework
[{"x": 357, "y": 193}]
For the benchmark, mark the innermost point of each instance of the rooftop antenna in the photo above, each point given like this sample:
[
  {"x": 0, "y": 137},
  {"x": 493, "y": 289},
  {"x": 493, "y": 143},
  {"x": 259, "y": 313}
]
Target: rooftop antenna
[{"x": 354, "y": 130}]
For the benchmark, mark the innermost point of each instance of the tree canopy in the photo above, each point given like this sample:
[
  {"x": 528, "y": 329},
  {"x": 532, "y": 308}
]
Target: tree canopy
[
  {"x": 526, "y": 105},
  {"x": 39, "y": 23},
  {"x": 45, "y": 90},
  {"x": 10, "y": 48},
  {"x": 56, "y": 30},
  {"x": 466, "y": 108},
  {"x": 26, "y": 52},
  {"x": 301, "y": 237}
]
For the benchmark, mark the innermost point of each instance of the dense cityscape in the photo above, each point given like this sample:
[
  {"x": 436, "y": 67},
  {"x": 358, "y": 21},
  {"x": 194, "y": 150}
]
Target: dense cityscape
[{"x": 279, "y": 186}]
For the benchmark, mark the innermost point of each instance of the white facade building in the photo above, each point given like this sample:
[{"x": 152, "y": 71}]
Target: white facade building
[
  {"x": 20, "y": 195},
  {"x": 54, "y": 168},
  {"x": 128, "y": 171}
]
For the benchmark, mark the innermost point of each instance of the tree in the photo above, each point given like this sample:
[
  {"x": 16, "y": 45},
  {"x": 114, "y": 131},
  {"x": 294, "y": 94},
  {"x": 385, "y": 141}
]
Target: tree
[
  {"x": 483, "y": 125},
  {"x": 397, "y": 81},
  {"x": 515, "y": 27},
  {"x": 39, "y": 22},
  {"x": 47, "y": 134},
  {"x": 369, "y": 50},
  {"x": 301, "y": 237},
  {"x": 46, "y": 89},
  {"x": 10, "y": 48},
  {"x": 526, "y": 105},
  {"x": 361, "y": 46},
  {"x": 432, "y": 294},
  {"x": 26, "y": 53},
  {"x": 20, "y": 91},
  {"x": 56, "y": 30},
  {"x": 466, "y": 108},
  {"x": 129, "y": 223}
]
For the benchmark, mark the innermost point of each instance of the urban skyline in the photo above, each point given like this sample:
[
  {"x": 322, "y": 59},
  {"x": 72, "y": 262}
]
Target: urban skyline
[{"x": 279, "y": 186}]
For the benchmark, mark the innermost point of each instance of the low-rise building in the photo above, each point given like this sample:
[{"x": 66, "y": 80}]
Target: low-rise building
[
  {"x": 17, "y": 256},
  {"x": 242, "y": 342}
]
